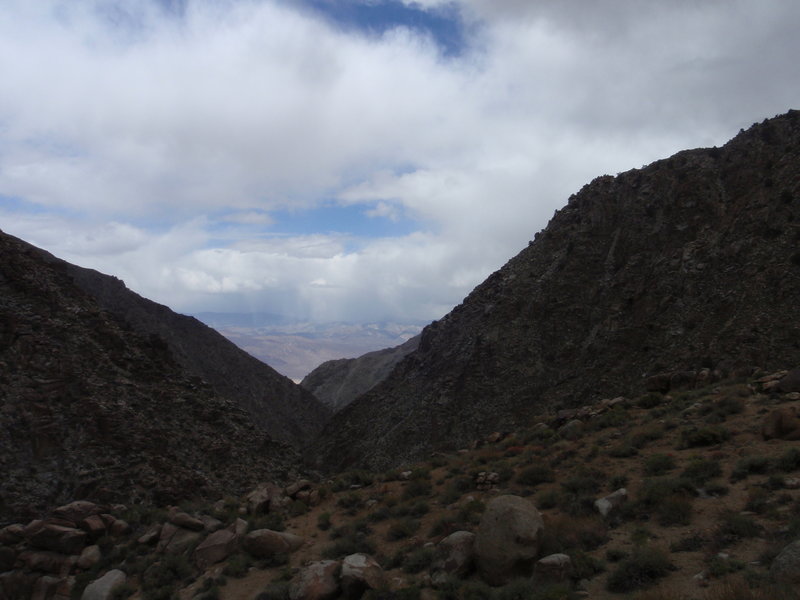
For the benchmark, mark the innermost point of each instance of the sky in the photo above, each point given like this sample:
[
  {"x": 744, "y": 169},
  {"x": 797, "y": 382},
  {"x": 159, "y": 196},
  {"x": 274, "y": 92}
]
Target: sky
[{"x": 352, "y": 160}]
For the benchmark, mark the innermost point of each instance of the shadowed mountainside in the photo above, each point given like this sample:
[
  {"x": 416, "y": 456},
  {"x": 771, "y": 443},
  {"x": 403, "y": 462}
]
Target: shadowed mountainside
[
  {"x": 278, "y": 405},
  {"x": 685, "y": 269},
  {"x": 338, "y": 382},
  {"x": 93, "y": 407}
]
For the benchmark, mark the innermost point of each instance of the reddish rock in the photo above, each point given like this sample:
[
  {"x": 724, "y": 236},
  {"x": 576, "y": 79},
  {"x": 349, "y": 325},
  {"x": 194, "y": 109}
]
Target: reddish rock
[
  {"x": 151, "y": 536},
  {"x": 118, "y": 527},
  {"x": 17, "y": 584},
  {"x": 455, "y": 554},
  {"x": 57, "y": 538},
  {"x": 90, "y": 556},
  {"x": 182, "y": 519},
  {"x": 611, "y": 502},
  {"x": 263, "y": 543},
  {"x": 93, "y": 525},
  {"x": 77, "y": 511},
  {"x": 317, "y": 581},
  {"x": 790, "y": 382},
  {"x": 8, "y": 557},
  {"x": 12, "y": 534},
  {"x": 303, "y": 484},
  {"x": 215, "y": 548},
  {"x": 262, "y": 499},
  {"x": 175, "y": 540},
  {"x": 46, "y": 562}
]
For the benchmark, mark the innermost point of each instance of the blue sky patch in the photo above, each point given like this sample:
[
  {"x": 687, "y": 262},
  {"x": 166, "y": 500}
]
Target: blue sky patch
[
  {"x": 334, "y": 218},
  {"x": 376, "y": 17}
]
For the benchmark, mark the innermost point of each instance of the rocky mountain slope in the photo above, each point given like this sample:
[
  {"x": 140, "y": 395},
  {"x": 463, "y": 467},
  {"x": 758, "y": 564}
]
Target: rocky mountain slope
[
  {"x": 337, "y": 383},
  {"x": 680, "y": 271},
  {"x": 279, "y": 406},
  {"x": 93, "y": 407}
]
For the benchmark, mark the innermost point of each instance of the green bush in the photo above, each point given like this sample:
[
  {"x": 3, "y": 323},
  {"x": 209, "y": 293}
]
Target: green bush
[
  {"x": 418, "y": 560},
  {"x": 674, "y": 510},
  {"x": 701, "y": 470},
  {"x": 277, "y": 590},
  {"x": 536, "y": 474},
  {"x": 402, "y": 529},
  {"x": 324, "y": 521},
  {"x": 642, "y": 569},
  {"x": 705, "y": 436},
  {"x": 789, "y": 461},
  {"x": 658, "y": 464},
  {"x": 749, "y": 464},
  {"x": 346, "y": 480},
  {"x": 416, "y": 488},
  {"x": 237, "y": 565}
]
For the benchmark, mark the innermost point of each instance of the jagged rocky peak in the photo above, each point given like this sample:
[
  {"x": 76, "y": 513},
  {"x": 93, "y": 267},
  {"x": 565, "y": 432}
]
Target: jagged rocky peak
[
  {"x": 96, "y": 405},
  {"x": 687, "y": 268}
]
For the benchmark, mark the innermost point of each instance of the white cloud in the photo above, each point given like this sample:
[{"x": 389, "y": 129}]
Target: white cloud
[{"x": 144, "y": 132}]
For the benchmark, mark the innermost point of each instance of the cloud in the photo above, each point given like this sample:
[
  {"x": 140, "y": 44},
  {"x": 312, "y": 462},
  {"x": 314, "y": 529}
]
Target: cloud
[{"x": 159, "y": 145}]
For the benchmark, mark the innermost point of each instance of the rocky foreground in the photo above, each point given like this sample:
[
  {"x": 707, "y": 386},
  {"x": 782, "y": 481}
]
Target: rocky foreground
[{"x": 691, "y": 494}]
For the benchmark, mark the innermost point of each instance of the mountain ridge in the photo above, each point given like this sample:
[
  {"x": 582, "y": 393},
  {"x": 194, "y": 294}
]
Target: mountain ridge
[{"x": 686, "y": 266}]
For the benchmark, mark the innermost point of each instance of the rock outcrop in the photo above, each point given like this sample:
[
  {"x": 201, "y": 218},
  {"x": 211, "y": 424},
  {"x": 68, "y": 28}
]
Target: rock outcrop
[{"x": 684, "y": 270}]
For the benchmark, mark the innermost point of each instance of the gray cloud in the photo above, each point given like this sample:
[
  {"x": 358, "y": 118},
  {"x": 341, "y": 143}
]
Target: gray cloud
[{"x": 130, "y": 130}]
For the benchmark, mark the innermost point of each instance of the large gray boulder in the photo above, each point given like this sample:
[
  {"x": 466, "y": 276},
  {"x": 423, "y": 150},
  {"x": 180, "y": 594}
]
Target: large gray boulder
[
  {"x": 264, "y": 543},
  {"x": 455, "y": 554},
  {"x": 786, "y": 566},
  {"x": 360, "y": 573},
  {"x": 317, "y": 581},
  {"x": 103, "y": 588},
  {"x": 507, "y": 540}
]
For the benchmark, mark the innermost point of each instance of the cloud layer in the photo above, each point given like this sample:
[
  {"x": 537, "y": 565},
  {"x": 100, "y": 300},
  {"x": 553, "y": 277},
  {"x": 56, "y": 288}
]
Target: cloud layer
[{"x": 164, "y": 147}]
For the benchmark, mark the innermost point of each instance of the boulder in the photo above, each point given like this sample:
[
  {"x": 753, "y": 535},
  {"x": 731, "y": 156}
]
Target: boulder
[
  {"x": 263, "y": 543},
  {"x": 103, "y": 588},
  {"x": 507, "y": 540},
  {"x": 12, "y": 534},
  {"x": 553, "y": 568},
  {"x": 215, "y": 548},
  {"x": 360, "y": 573},
  {"x": 293, "y": 489},
  {"x": 786, "y": 566},
  {"x": 607, "y": 505},
  {"x": 90, "y": 556},
  {"x": 17, "y": 584},
  {"x": 47, "y": 562},
  {"x": 77, "y": 511},
  {"x": 151, "y": 536},
  {"x": 186, "y": 521},
  {"x": 781, "y": 423},
  {"x": 66, "y": 540},
  {"x": 45, "y": 587},
  {"x": 789, "y": 382},
  {"x": 93, "y": 525},
  {"x": 8, "y": 557},
  {"x": 263, "y": 498},
  {"x": 175, "y": 540},
  {"x": 455, "y": 554},
  {"x": 316, "y": 581}
]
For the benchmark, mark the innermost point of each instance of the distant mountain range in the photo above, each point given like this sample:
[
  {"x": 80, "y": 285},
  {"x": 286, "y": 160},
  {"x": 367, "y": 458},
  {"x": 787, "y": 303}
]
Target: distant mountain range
[{"x": 296, "y": 348}]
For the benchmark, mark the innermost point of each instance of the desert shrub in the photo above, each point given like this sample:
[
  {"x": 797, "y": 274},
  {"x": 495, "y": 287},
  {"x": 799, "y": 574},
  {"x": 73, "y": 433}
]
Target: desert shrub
[
  {"x": 471, "y": 512},
  {"x": 380, "y": 514},
  {"x": 548, "y": 499},
  {"x": 416, "y": 488},
  {"x": 277, "y": 590},
  {"x": 445, "y": 526},
  {"x": 126, "y": 590},
  {"x": 650, "y": 400},
  {"x": 402, "y": 529},
  {"x": 658, "y": 464},
  {"x": 349, "y": 544},
  {"x": 475, "y": 590},
  {"x": 624, "y": 449},
  {"x": 346, "y": 480},
  {"x": 701, "y": 470},
  {"x": 650, "y": 434},
  {"x": 789, "y": 460},
  {"x": 748, "y": 465},
  {"x": 519, "y": 589},
  {"x": 720, "y": 566},
  {"x": 641, "y": 569},
  {"x": 616, "y": 554},
  {"x": 418, "y": 560},
  {"x": 758, "y": 500},
  {"x": 739, "y": 588},
  {"x": 162, "y": 577},
  {"x": 563, "y": 532},
  {"x": 272, "y": 521},
  {"x": 654, "y": 491},
  {"x": 704, "y": 436},
  {"x": 674, "y": 510},
  {"x": 616, "y": 417},
  {"x": 350, "y": 502},
  {"x": 733, "y": 527},
  {"x": 691, "y": 543},
  {"x": 324, "y": 521},
  {"x": 536, "y": 474},
  {"x": 617, "y": 481},
  {"x": 237, "y": 565},
  {"x": 297, "y": 508}
]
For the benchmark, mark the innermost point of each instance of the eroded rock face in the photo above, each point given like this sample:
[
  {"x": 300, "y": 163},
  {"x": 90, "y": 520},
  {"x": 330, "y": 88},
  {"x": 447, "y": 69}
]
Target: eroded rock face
[
  {"x": 455, "y": 554},
  {"x": 616, "y": 289},
  {"x": 507, "y": 540},
  {"x": 264, "y": 543}
]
